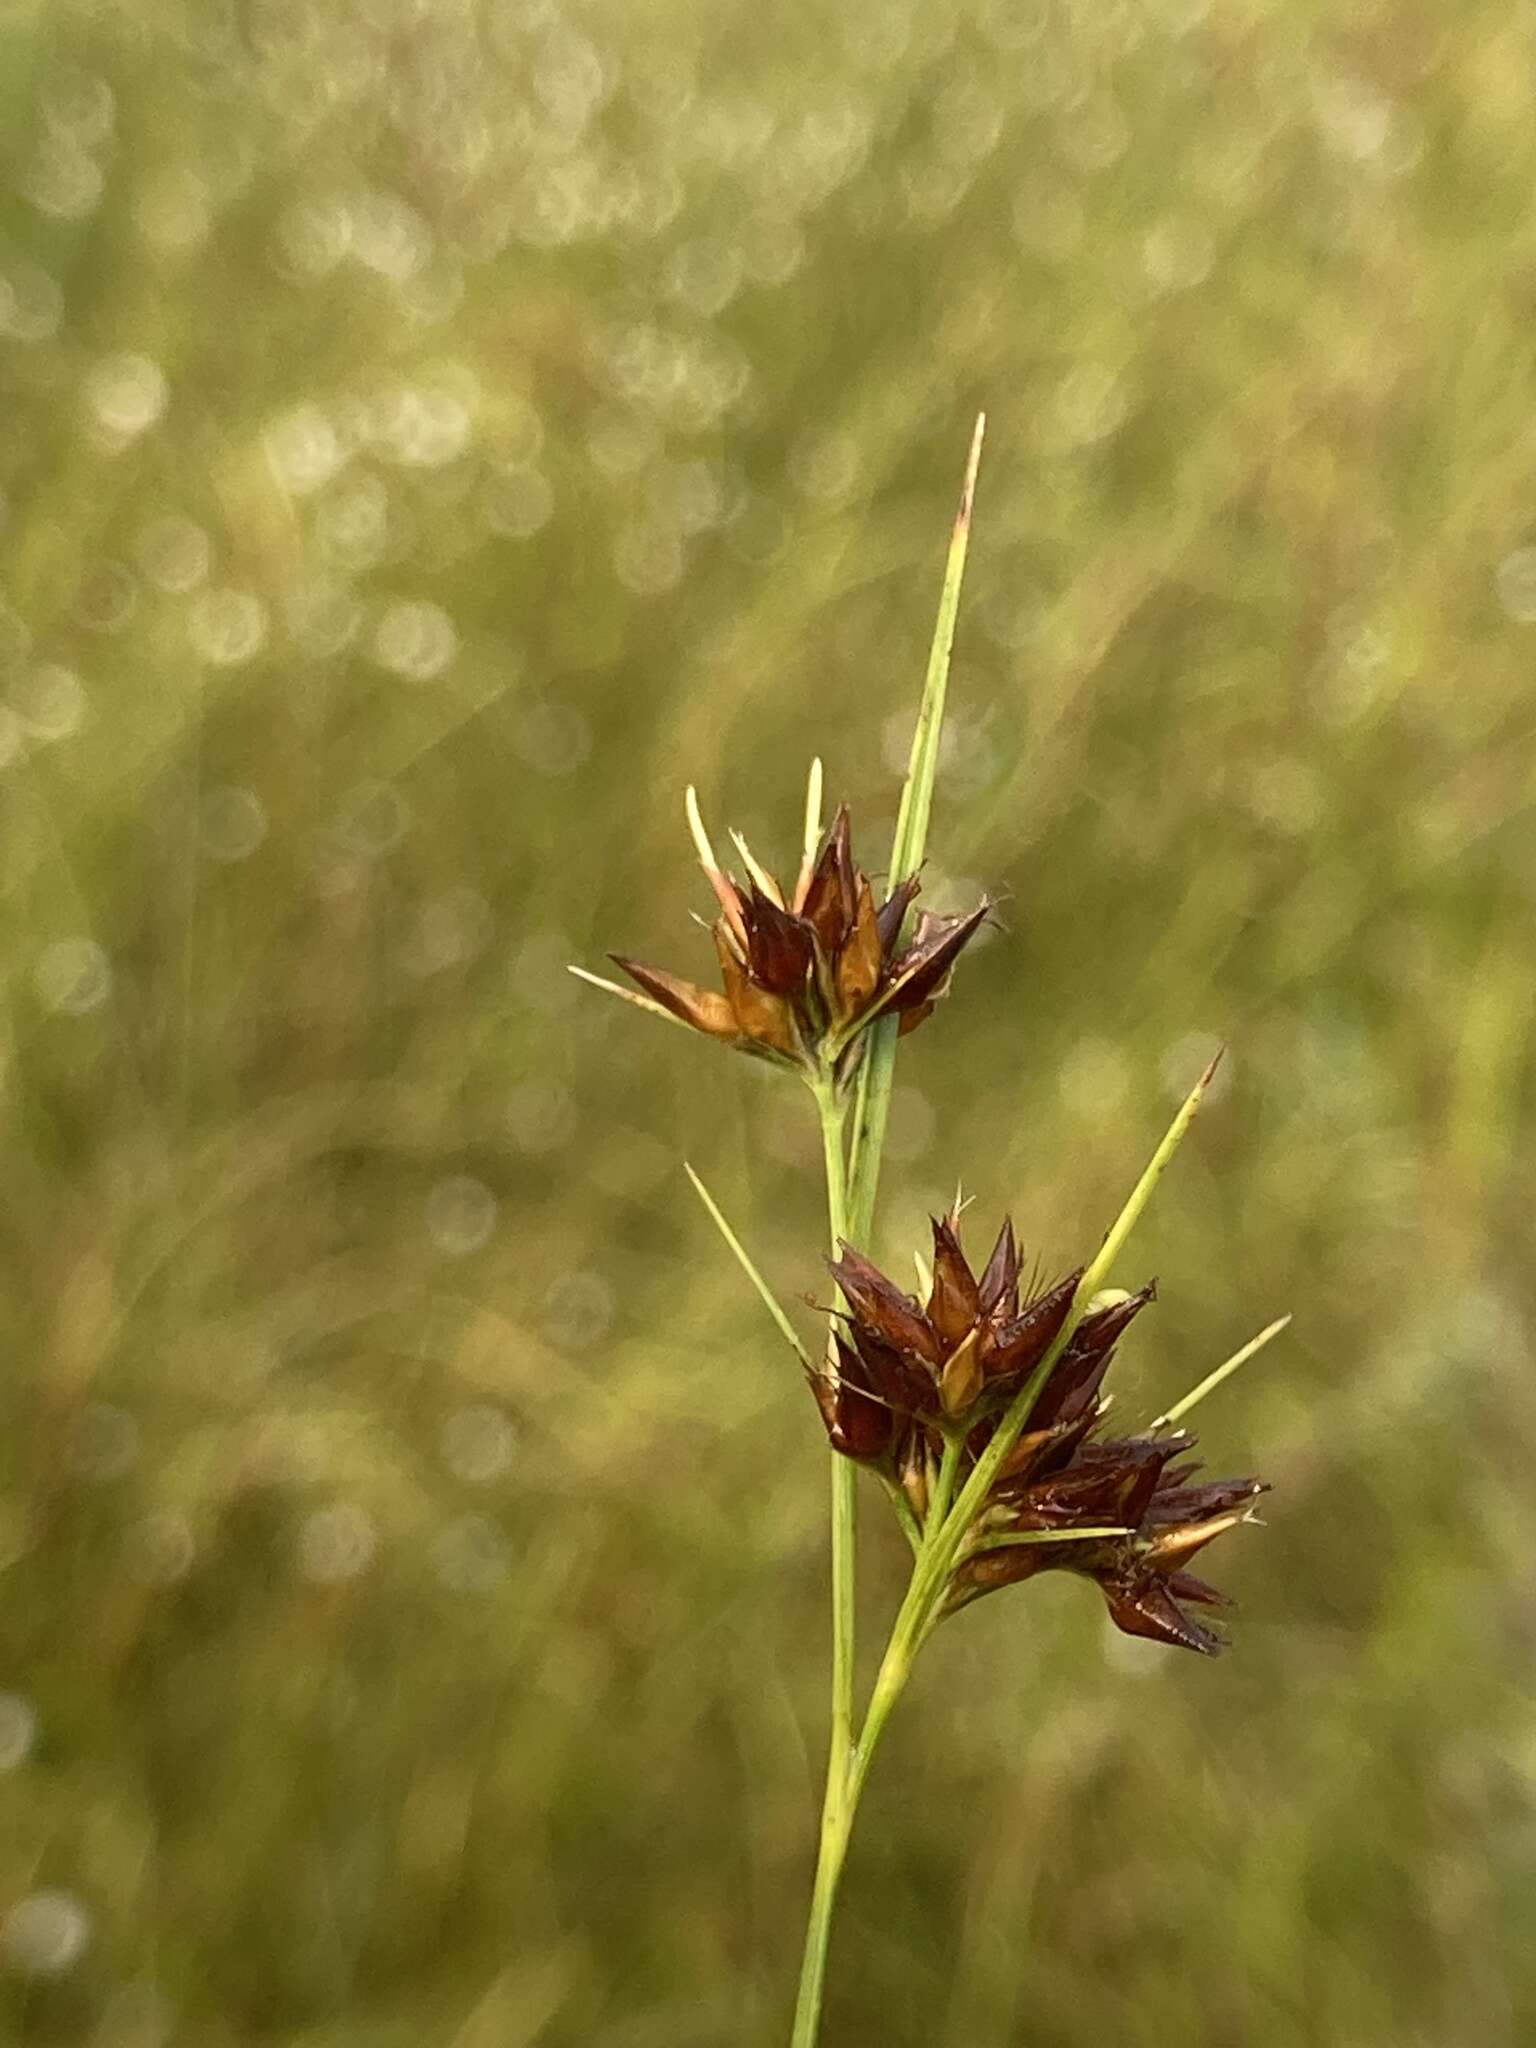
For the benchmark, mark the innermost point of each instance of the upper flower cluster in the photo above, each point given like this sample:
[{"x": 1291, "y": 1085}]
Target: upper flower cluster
[
  {"x": 1120, "y": 1511},
  {"x": 802, "y": 975}
]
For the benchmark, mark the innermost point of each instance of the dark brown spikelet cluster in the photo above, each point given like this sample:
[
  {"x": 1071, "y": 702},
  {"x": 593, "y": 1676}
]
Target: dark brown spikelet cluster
[
  {"x": 801, "y": 976},
  {"x": 910, "y": 1373}
]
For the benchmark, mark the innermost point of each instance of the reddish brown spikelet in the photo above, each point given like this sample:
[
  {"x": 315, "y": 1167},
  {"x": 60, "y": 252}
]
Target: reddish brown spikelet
[
  {"x": 857, "y": 974},
  {"x": 780, "y": 949},
  {"x": 762, "y": 1018},
  {"x": 831, "y": 902},
  {"x": 999, "y": 1285},
  {"x": 892, "y": 911},
  {"x": 954, "y": 1304},
  {"x": 1079, "y": 1372},
  {"x": 705, "y": 1009},
  {"x": 1128, "y": 1512},
  {"x": 919, "y": 974},
  {"x": 858, "y": 1423},
  {"x": 1019, "y": 1344},
  {"x": 800, "y": 984},
  {"x": 881, "y": 1306}
]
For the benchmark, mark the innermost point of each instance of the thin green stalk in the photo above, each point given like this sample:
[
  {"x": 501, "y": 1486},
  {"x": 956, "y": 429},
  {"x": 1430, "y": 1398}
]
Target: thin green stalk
[
  {"x": 912, "y": 1623},
  {"x": 1224, "y": 1371},
  {"x": 1016, "y": 1538},
  {"x": 902, "y": 1509},
  {"x": 837, "y": 1801},
  {"x": 831, "y": 1112},
  {"x": 843, "y": 1798},
  {"x": 944, "y": 1484},
  {"x": 744, "y": 1259}
]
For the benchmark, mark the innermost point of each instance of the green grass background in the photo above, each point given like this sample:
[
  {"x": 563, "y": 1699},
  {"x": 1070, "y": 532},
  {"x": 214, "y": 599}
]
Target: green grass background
[{"x": 412, "y": 1609}]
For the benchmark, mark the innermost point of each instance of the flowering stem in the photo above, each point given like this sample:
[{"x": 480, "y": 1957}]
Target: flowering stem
[{"x": 851, "y": 1206}]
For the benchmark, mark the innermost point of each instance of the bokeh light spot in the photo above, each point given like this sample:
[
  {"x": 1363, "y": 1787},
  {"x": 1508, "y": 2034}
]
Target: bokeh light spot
[
  {"x": 175, "y": 553},
  {"x": 416, "y": 639},
  {"x": 51, "y": 702},
  {"x": 73, "y": 976},
  {"x": 460, "y": 1214},
  {"x": 44, "y": 1933},
  {"x": 335, "y": 1543},
  {"x": 126, "y": 396},
  {"x": 232, "y": 823},
  {"x": 478, "y": 1443},
  {"x": 227, "y": 626}
]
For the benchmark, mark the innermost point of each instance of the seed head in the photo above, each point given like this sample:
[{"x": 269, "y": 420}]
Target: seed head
[
  {"x": 802, "y": 975},
  {"x": 1125, "y": 1512}
]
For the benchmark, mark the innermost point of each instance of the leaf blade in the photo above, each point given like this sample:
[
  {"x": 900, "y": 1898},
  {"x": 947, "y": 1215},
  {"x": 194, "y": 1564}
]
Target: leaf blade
[
  {"x": 1223, "y": 1371},
  {"x": 873, "y": 1096},
  {"x": 744, "y": 1259}
]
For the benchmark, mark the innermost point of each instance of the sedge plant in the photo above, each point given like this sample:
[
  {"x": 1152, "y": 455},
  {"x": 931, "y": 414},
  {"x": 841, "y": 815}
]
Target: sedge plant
[{"x": 976, "y": 1404}]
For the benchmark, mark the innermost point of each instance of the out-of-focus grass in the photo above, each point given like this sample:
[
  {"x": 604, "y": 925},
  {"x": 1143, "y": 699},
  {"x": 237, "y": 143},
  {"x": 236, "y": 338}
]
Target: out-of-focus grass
[{"x": 431, "y": 431}]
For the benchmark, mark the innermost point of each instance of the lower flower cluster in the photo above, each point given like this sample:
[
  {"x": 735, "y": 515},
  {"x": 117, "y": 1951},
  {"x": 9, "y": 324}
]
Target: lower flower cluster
[{"x": 1127, "y": 1512}]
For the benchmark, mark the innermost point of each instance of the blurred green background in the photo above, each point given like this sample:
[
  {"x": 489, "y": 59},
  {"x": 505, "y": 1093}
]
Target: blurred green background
[{"x": 435, "y": 430}]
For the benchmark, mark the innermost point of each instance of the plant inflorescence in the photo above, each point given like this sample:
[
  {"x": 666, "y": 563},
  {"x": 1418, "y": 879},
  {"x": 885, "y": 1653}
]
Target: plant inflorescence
[{"x": 978, "y": 1402}]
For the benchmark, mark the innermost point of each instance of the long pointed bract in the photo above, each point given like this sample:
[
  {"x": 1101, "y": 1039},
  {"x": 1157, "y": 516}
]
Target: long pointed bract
[
  {"x": 873, "y": 1101},
  {"x": 1094, "y": 1276},
  {"x": 628, "y": 995},
  {"x": 1114, "y": 1238},
  {"x": 744, "y": 1260},
  {"x": 911, "y": 839},
  {"x": 1223, "y": 1371}
]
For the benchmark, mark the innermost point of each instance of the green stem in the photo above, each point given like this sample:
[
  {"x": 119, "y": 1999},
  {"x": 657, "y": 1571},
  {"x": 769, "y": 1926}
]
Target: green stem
[
  {"x": 845, "y": 1785},
  {"x": 839, "y": 1797},
  {"x": 902, "y": 1509},
  {"x": 944, "y": 1484},
  {"x": 907, "y": 1638},
  {"x": 836, "y": 1827},
  {"x": 843, "y": 1473},
  {"x": 871, "y": 1107}
]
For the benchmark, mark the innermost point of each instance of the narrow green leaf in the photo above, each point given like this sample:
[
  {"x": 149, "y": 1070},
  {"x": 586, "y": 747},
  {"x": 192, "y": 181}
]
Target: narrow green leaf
[
  {"x": 1097, "y": 1270},
  {"x": 1224, "y": 1371},
  {"x": 744, "y": 1260},
  {"x": 911, "y": 839},
  {"x": 1114, "y": 1242},
  {"x": 873, "y": 1097}
]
